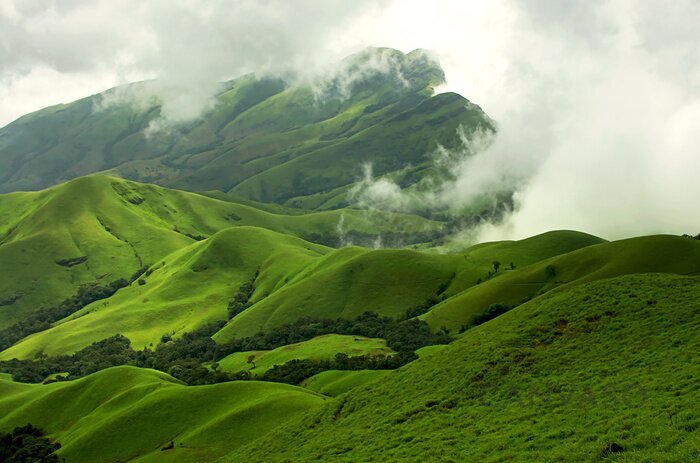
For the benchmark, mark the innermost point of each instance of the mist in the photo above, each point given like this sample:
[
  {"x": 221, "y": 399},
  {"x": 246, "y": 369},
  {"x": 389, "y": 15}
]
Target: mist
[{"x": 597, "y": 103}]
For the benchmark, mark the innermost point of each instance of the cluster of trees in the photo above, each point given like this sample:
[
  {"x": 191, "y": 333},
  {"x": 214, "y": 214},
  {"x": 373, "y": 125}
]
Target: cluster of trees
[
  {"x": 692, "y": 237},
  {"x": 43, "y": 318},
  {"x": 431, "y": 301},
  {"x": 296, "y": 371},
  {"x": 492, "y": 312},
  {"x": 27, "y": 444},
  {"x": 185, "y": 358},
  {"x": 241, "y": 300},
  {"x": 404, "y": 335}
]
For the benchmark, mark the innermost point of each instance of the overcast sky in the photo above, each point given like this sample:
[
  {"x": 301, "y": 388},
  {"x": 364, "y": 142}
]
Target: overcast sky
[{"x": 598, "y": 102}]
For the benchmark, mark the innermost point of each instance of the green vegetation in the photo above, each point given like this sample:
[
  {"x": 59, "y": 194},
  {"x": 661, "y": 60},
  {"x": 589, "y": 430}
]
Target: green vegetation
[
  {"x": 184, "y": 358},
  {"x": 27, "y": 444},
  {"x": 601, "y": 371},
  {"x": 336, "y": 382},
  {"x": 324, "y": 347},
  {"x": 648, "y": 254},
  {"x": 127, "y": 413}
]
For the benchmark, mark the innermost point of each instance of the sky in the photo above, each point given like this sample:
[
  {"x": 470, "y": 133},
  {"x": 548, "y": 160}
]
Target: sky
[{"x": 597, "y": 102}]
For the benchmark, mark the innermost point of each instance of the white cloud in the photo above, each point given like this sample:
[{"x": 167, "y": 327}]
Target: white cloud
[{"x": 598, "y": 103}]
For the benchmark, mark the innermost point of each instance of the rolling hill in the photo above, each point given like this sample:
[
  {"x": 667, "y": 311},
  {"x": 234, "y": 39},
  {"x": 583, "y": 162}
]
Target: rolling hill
[
  {"x": 192, "y": 286},
  {"x": 603, "y": 371},
  {"x": 130, "y": 414},
  {"x": 99, "y": 229},
  {"x": 300, "y": 143}
]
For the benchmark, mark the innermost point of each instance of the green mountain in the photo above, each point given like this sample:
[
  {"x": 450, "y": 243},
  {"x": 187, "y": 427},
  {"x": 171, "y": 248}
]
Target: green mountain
[
  {"x": 202, "y": 291},
  {"x": 302, "y": 144}
]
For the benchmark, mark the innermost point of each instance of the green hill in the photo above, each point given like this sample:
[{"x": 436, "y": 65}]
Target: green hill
[
  {"x": 99, "y": 229},
  {"x": 186, "y": 290},
  {"x": 129, "y": 414},
  {"x": 604, "y": 371},
  {"x": 649, "y": 254},
  {"x": 350, "y": 281},
  {"x": 301, "y": 144}
]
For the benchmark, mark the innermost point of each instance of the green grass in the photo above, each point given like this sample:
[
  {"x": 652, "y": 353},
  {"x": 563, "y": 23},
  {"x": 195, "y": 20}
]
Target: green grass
[
  {"x": 622, "y": 351},
  {"x": 188, "y": 289},
  {"x": 120, "y": 226},
  {"x": 127, "y": 413},
  {"x": 336, "y": 382},
  {"x": 350, "y": 281},
  {"x": 387, "y": 282},
  {"x": 319, "y": 348},
  {"x": 658, "y": 253}
]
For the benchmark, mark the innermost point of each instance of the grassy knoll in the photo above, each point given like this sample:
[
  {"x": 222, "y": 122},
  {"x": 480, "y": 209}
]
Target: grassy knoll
[
  {"x": 127, "y": 413},
  {"x": 604, "y": 371},
  {"x": 319, "y": 348}
]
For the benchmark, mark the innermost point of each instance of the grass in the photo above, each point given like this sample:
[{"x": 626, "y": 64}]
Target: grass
[
  {"x": 658, "y": 253},
  {"x": 618, "y": 358},
  {"x": 127, "y": 413},
  {"x": 336, "y": 382},
  {"x": 189, "y": 288},
  {"x": 119, "y": 226},
  {"x": 387, "y": 282},
  {"x": 319, "y": 348}
]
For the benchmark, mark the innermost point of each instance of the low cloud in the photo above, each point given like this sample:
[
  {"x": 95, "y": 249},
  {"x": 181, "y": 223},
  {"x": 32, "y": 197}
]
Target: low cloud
[{"x": 598, "y": 103}]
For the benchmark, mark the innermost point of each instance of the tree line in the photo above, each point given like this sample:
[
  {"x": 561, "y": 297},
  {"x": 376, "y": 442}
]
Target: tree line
[{"x": 186, "y": 357}]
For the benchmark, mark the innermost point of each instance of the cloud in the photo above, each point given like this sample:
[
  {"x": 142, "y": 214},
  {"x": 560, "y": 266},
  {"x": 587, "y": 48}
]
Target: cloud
[
  {"x": 598, "y": 103},
  {"x": 188, "y": 45}
]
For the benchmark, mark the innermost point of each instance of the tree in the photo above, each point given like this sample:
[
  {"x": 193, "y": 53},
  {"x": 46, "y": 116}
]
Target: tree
[
  {"x": 550, "y": 271},
  {"x": 251, "y": 361},
  {"x": 496, "y": 266}
]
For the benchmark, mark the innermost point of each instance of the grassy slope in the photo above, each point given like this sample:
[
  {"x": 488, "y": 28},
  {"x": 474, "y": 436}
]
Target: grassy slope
[
  {"x": 336, "y": 382},
  {"x": 658, "y": 253},
  {"x": 350, "y": 281},
  {"x": 319, "y": 348},
  {"x": 124, "y": 413},
  {"x": 187, "y": 289},
  {"x": 624, "y": 351},
  {"x": 121, "y": 226}
]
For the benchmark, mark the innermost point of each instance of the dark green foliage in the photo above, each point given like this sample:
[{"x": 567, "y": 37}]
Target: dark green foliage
[
  {"x": 43, "y": 318},
  {"x": 241, "y": 300},
  {"x": 492, "y": 312},
  {"x": 296, "y": 371},
  {"x": 496, "y": 266},
  {"x": 27, "y": 444},
  {"x": 693, "y": 237},
  {"x": 550, "y": 271},
  {"x": 431, "y": 301},
  {"x": 72, "y": 261},
  {"x": 407, "y": 335},
  {"x": 183, "y": 358}
]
